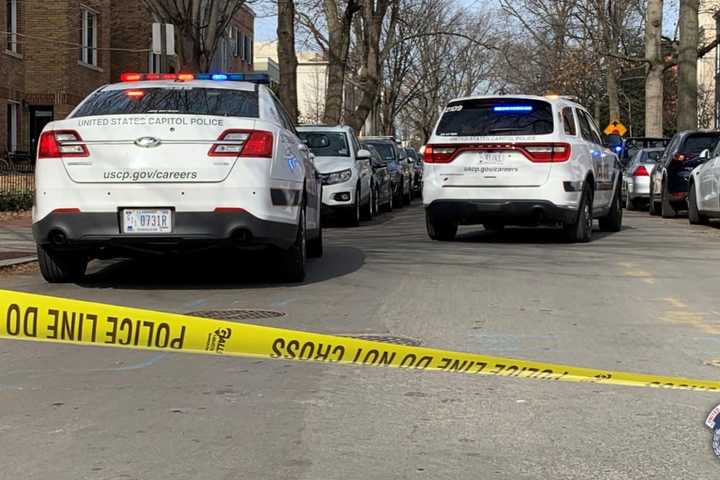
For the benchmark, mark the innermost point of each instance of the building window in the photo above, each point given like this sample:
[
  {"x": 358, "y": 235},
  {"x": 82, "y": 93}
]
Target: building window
[
  {"x": 11, "y": 25},
  {"x": 235, "y": 41},
  {"x": 12, "y": 126},
  {"x": 88, "y": 52},
  {"x": 155, "y": 63},
  {"x": 241, "y": 46},
  {"x": 248, "y": 49}
]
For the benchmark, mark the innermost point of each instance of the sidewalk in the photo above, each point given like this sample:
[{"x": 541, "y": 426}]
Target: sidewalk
[{"x": 16, "y": 240}]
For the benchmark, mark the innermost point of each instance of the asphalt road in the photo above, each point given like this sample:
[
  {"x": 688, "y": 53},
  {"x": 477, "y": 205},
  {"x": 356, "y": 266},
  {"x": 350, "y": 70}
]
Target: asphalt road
[{"x": 644, "y": 299}]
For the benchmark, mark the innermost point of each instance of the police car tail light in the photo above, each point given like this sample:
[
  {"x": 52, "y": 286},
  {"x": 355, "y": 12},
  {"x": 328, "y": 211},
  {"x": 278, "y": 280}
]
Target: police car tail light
[
  {"x": 61, "y": 143},
  {"x": 545, "y": 152},
  {"x": 641, "y": 171},
  {"x": 438, "y": 154},
  {"x": 243, "y": 143}
]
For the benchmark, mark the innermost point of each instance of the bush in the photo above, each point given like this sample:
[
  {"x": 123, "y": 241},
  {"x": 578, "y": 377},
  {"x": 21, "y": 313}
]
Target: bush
[{"x": 17, "y": 202}]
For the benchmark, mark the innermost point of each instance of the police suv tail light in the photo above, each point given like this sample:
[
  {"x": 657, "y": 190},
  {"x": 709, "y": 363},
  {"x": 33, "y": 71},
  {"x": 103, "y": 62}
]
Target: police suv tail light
[
  {"x": 546, "y": 152},
  {"x": 641, "y": 171},
  {"x": 61, "y": 143},
  {"x": 438, "y": 154},
  {"x": 243, "y": 143}
]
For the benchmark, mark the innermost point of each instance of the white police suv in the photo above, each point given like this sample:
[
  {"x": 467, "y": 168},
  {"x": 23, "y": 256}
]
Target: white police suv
[
  {"x": 519, "y": 160},
  {"x": 174, "y": 163},
  {"x": 345, "y": 171}
]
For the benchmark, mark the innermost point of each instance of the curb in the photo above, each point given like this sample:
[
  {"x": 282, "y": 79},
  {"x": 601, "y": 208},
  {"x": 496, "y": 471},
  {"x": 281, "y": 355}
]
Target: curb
[{"x": 17, "y": 261}]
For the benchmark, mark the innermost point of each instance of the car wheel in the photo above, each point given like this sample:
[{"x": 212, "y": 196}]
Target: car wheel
[
  {"x": 389, "y": 205},
  {"x": 398, "y": 200},
  {"x": 652, "y": 204},
  {"x": 440, "y": 230},
  {"x": 367, "y": 210},
  {"x": 581, "y": 230},
  {"x": 666, "y": 210},
  {"x": 61, "y": 267},
  {"x": 613, "y": 221},
  {"x": 694, "y": 215},
  {"x": 315, "y": 246},
  {"x": 293, "y": 259},
  {"x": 353, "y": 214},
  {"x": 376, "y": 203},
  {"x": 407, "y": 198},
  {"x": 630, "y": 203}
]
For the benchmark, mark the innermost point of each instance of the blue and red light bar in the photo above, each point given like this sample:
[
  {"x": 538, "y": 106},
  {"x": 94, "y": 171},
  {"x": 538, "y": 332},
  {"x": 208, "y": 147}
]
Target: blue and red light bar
[{"x": 186, "y": 77}]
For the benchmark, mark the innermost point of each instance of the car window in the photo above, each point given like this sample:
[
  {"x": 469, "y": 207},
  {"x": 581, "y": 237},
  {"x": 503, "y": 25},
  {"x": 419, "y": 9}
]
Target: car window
[
  {"x": 585, "y": 130},
  {"x": 569, "y": 121},
  {"x": 594, "y": 130},
  {"x": 651, "y": 156},
  {"x": 195, "y": 101},
  {"x": 697, "y": 142},
  {"x": 496, "y": 116},
  {"x": 326, "y": 144},
  {"x": 386, "y": 149}
]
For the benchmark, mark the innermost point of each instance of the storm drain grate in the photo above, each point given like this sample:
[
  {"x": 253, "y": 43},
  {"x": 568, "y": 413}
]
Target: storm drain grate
[
  {"x": 379, "y": 337},
  {"x": 238, "y": 314}
]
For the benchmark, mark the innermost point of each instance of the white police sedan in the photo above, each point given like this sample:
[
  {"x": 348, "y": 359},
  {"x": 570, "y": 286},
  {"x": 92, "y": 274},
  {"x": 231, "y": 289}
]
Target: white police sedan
[{"x": 172, "y": 163}]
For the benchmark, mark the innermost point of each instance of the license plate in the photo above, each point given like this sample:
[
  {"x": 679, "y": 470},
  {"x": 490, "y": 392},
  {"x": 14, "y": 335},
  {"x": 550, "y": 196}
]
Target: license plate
[
  {"x": 490, "y": 158},
  {"x": 153, "y": 221}
]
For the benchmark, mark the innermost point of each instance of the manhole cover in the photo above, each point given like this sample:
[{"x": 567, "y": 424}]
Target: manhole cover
[
  {"x": 238, "y": 314},
  {"x": 378, "y": 337}
]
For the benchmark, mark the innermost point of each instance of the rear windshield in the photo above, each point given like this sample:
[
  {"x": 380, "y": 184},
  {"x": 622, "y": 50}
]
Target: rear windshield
[
  {"x": 326, "y": 144},
  {"x": 386, "y": 150},
  {"x": 496, "y": 116},
  {"x": 696, "y": 143},
  {"x": 652, "y": 156},
  {"x": 186, "y": 100}
]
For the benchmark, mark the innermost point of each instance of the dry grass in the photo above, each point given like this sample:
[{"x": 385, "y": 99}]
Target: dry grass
[{"x": 28, "y": 268}]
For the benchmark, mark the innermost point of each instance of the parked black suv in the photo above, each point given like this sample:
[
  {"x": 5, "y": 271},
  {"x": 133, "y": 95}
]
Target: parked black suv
[{"x": 669, "y": 179}]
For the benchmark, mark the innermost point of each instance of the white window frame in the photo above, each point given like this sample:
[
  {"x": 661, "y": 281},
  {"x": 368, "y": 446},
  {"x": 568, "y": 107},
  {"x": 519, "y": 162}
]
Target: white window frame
[
  {"x": 241, "y": 41},
  {"x": 234, "y": 37},
  {"x": 11, "y": 23},
  {"x": 249, "y": 52},
  {"x": 13, "y": 126},
  {"x": 89, "y": 53}
]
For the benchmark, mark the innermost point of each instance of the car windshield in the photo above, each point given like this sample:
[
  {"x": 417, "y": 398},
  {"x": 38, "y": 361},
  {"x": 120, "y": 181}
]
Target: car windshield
[
  {"x": 650, "y": 156},
  {"x": 196, "y": 101},
  {"x": 326, "y": 144},
  {"x": 496, "y": 117},
  {"x": 386, "y": 149}
]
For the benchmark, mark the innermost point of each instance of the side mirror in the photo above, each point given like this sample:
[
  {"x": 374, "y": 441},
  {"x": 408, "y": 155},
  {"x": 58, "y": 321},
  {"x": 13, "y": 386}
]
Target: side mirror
[
  {"x": 363, "y": 154},
  {"x": 705, "y": 155}
]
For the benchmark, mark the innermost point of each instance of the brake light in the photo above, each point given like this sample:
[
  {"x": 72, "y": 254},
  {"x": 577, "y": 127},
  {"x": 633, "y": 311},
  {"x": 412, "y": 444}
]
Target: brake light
[
  {"x": 438, "y": 154},
  {"x": 135, "y": 93},
  {"x": 679, "y": 157},
  {"x": 641, "y": 171},
  {"x": 545, "y": 152},
  {"x": 61, "y": 143},
  {"x": 243, "y": 143}
]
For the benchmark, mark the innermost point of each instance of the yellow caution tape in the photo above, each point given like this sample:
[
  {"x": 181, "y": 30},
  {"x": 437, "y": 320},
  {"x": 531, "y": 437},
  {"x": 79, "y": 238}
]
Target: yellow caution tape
[{"x": 25, "y": 316}]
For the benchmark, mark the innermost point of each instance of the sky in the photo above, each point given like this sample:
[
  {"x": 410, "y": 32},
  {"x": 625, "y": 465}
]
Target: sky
[{"x": 266, "y": 26}]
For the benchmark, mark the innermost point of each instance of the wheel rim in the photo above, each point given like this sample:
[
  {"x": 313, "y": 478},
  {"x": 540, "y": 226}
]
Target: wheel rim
[{"x": 588, "y": 216}]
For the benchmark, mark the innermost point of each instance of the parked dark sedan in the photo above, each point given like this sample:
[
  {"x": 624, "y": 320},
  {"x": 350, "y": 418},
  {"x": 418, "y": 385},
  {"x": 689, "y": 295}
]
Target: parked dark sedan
[
  {"x": 669, "y": 179},
  {"x": 417, "y": 168},
  {"x": 393, "y": 155},
  {"x": 381, "y": 180}
]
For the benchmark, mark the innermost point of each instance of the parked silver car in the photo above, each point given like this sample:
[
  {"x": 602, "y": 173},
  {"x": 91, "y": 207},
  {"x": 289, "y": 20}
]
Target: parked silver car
[{"x": 636, "y": 178}]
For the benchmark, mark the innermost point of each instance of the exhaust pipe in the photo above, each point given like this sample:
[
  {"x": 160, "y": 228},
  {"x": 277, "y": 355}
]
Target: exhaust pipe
[{"x": 57, "y": 238}]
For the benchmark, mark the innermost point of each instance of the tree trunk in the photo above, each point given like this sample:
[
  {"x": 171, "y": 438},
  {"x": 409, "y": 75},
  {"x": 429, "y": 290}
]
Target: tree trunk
[
  {"x": 687, "y": 118},
  {"x": 287, "y": 58},
  {"x": 612, "y": 91},
  {"x": 654, "y": 80},
  {"x": 338, "y": 49}
]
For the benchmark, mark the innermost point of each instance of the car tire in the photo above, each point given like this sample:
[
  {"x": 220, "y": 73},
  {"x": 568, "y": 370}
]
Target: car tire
[
  {"x": 694, "y": 215},
  {"x": 612, "y": 222},
  {"x": 439, "y": 230},
  {"x": 398, "y": 198},
  {"x": 389, "y": 204},
  {"x": 61, "y": 267},
  {"x": 652, "y": 204},
  {"x": 354, "y": 213},
  {"x": 494, "y": 226},
  {"x": 580, "y": 231},
  {"x": 407, "y": 198},
  {"x": 293, "y": 259},
  {"x": 630, "y": 203},
  {"x": 315, "y": 246},
  {"x": 666, "y": 210},
  {"x": 376, "y": 203},
  {"x": 366, "y": 212}
]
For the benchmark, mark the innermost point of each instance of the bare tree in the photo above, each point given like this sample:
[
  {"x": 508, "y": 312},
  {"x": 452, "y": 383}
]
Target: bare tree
[
  {"x": 287, "y": 58},
  {"x": 687, "y": 118},
  {"x": 199, "y": 26},
  {"x": 655, "y": 69}
]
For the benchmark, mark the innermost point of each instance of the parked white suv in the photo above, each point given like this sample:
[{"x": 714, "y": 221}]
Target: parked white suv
[
  {"x": 704, "y": 189},
  {"x": 519, "y": 160},
  {"x": 173, "y": 163},
  {"x": 345, "y": 171}
]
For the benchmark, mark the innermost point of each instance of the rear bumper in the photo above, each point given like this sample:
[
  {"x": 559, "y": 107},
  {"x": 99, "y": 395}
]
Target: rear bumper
[
  {"x": 191, "y": 230},
  {"x": 512, "y": 212},
  {"x": 638, "y": 187}
]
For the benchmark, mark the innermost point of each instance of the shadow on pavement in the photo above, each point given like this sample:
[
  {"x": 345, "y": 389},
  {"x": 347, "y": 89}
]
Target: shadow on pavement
[
  {"x": 529, "y": 235},
  {"x": 217, "y": 271}
]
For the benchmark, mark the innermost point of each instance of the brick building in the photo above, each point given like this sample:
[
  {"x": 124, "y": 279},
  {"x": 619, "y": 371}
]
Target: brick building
[{"x": 56, "y": 52}]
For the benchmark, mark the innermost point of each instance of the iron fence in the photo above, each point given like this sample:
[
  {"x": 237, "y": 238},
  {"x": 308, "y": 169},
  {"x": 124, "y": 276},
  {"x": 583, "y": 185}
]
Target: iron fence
[{"x": 17, "y": 183}]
